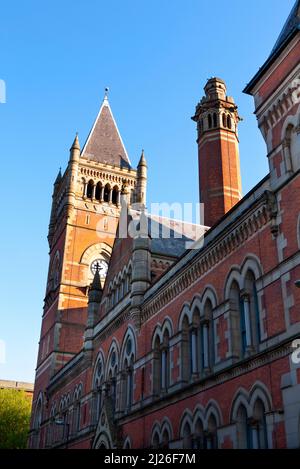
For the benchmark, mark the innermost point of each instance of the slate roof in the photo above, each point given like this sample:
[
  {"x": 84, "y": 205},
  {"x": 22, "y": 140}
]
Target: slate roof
[
  {"x": 104, "y": 143},
  {"x": 290, "y": 29}
]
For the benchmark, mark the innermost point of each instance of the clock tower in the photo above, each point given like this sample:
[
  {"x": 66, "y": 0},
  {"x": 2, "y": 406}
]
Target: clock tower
[{"x": 85, "y": 210}]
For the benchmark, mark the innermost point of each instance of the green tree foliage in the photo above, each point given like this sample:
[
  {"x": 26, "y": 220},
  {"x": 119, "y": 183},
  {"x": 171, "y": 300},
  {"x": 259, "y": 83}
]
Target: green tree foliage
[{"x": 15, "y": 408}]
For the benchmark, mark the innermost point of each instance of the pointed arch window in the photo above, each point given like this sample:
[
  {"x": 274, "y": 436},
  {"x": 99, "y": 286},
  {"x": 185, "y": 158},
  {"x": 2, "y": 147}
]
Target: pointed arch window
[
  {"x": 215, "y": 119},
  {"x": 224, "y": 120},
  {"x": 186, "y": 351},
  {"x": 107, "y": 193},
  {"x": 244, "y": 434},
  {"x": 156, "y": 367},
  {"x": 165, "y": 365},
  {"x": 115, "y": 195},
  {"x": 209, "y": 121},
  {"x": 127, "y": 374},
  {"x": 98, "y": 389},
  {"x": 229, "y": 121},
  {"x": 187, "y": 436},
  {"x": 211, "y": 436},
  {"x": 98, "y": 191},
  {"x": 259, "y": 426},
  {"x": 198, "y": 442},
  {"x": 90, "y": 189},
  {"x": 112, "y": 380}
]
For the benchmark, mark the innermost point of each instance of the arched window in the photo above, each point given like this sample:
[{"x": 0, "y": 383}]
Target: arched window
[
  {"x": 156, "y": 367},
  {"x": 98, "y": 191},
  {"x": 211, "y": 438},
  {"x": 186, "y": 349},
  {"x": 243, "y": 429},
  {"x": 115, "y": 195},
  {"x": 207, "y": 337},
  {"x": 112, "y": 379},
  {"x": 238, "y": 323},
  {"x": 76, "y": 409},
  {"x": 195, "y": 343},
  {"x": 259, "y": 426},
  {"x": 224, "y": 120},
  {"x": 229, "y": 122},
  {"x": 37, "y": 424},
  {"x": 187, "y": 436},
  {"x": 165, "y": 359},
  {"x": 107, "y": 193},
  {"x": 155, "y": 440},
  {"x": 165, "y": 439},
  {"x": 98, "y": 389},
  {"x": 51, "y": 432},
  {"x": 198, "y": 442},
  {"x": 209, "y": 121},
  {"x": 90, "y": 189},
  {"x": 215, "y": 119},
  {"x": 251, "y": 308},
  {"x": 127, "y": 373}
]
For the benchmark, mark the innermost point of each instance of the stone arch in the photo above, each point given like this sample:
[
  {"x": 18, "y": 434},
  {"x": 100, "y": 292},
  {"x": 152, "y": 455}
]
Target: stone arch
[
  {"x": 241, "y": 397},
  {"x": 210, "y": 294},
  {"x": 155, "y": 434},
  {"x": 96, "y": 250},
  {"x": 196, "y": 304},
  {"x": 167, "y": 426},
  {"x": 185, "y": 311},
  {"x": 103, "y": 441},
  {"x": 167, "y": 325},
  {"x": 38, "y": 411},
  {"x": 100, "y": 358},
  {"x": 233, "y": 275},
  {"x": 291, "y": 142},
  {"x": 93, "y": 252},
  {"x": 199, "y": 414},
  {"x": 130, "y": 333},
  {"x": 213, "y": 408},
  {"x": 260, "y": 391},
  {"x": 253, "y": 264},
  {"x": 156, "y": 333},
  {"x": 187, "y": 417},
  {"x": 113, "y": 347}
]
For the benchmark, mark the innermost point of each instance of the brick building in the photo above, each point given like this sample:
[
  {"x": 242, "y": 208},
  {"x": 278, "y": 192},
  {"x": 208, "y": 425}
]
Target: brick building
[{"x": 148, "y": 343}]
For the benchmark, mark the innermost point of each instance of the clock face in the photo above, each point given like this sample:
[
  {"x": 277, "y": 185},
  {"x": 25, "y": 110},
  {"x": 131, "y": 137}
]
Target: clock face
[{"x": 101, "y": 266}]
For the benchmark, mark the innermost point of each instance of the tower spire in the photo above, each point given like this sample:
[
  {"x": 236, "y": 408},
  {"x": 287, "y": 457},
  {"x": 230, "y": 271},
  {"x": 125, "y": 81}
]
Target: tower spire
[{"x": 141, "y": 184}]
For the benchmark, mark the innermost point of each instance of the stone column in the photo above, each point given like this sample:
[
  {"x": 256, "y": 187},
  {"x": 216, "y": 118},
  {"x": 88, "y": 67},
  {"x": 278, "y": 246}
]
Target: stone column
[{"x": 94, "y": 192}]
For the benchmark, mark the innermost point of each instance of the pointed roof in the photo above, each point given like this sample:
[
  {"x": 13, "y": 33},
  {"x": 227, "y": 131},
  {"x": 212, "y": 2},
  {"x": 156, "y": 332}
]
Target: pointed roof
[
  {"x": 290, "y": 29},
  {"x": 75, "y": 144},
  {"x": 292, "y": 24},
  {"x": 104, "y": 143},
  {"x": 142, "y": 161},
  {"x": 58, "y": 177}
]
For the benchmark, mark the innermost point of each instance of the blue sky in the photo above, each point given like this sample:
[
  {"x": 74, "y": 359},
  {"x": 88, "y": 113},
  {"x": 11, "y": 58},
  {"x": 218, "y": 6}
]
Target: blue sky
[{"x": 155, "y": 56}]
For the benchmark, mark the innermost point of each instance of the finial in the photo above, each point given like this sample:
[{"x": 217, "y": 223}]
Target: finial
[
  {"x": 142, "y": 159},
  {"x": 106, "y": 92},
  {"x": 75, "y": 144}
]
